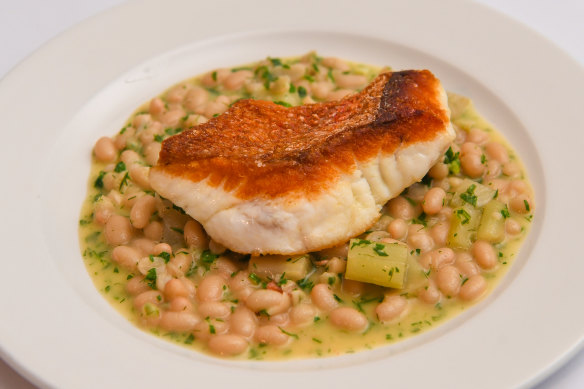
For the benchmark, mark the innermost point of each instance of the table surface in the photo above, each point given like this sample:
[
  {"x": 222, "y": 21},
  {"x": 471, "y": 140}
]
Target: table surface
[{"x": 25, "y": 25}]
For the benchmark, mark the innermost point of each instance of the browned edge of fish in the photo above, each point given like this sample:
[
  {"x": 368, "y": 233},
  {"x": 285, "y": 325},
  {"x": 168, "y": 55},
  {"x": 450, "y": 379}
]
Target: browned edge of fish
[{"x": 259, "y": 149}]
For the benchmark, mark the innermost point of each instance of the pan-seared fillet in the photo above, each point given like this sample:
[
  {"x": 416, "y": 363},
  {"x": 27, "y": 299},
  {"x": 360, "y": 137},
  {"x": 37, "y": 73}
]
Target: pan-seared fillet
[{"x": 266, "y": 179}]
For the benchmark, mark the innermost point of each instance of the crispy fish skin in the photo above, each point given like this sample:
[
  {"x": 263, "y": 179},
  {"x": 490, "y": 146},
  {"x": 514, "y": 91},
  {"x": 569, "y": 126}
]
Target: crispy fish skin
[{"x": 266, "y": 179}]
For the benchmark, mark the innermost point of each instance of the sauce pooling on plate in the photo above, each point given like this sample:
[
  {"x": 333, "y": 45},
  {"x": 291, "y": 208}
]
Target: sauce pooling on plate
[{"x": 439, "y": 247}]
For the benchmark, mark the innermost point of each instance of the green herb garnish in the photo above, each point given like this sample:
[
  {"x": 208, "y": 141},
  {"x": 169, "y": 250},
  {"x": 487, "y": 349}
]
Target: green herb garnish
[
  {"x": 208, "y": 257},
  {"x": 254, "y": 278},
  {"x": 151, "y": 278},
  {"x": 505, "y": 212},
  {"x": 288, "y": 333},
  {"x": 463, "y": 216},
  {"x": 120, "y": 167},
  {"x": 361, "y": 242},
  {"x": 469, "y": 195},
  {"x": 302, "y": 91},
  {"x": 452, "y": 160},
  {"x": 378, "y": 248},
  {"x": 99, "y": 180},
  {"x": 124, "y": 181}
]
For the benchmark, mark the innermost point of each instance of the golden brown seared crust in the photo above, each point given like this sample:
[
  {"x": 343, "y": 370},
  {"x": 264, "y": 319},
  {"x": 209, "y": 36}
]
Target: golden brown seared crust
[{"x": 262, "y": 149}]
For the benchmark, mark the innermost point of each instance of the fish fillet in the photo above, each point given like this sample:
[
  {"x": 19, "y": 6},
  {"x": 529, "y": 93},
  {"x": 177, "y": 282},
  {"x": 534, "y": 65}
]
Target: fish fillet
[{"x": 266, "y": 179}]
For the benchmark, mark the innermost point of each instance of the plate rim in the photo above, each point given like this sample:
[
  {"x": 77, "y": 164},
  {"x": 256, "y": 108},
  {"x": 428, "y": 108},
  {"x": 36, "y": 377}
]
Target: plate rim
[{"x": 27, "y": 62}]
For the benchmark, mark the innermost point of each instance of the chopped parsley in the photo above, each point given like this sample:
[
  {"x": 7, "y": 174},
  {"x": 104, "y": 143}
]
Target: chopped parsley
[
  {"x": 151, "y": 278},
  {"x": 282, "y": 279},
  {"x": 99, "y": 180},
  {"x": 179, "y": 209},
  {"x": 275, "y": 61},
  {"x": 330, "y": 75},
  {"x": 283, "y": 103},
  {"x": 158, "y": 138},
  {"x": 120, "y": 167},
  {"x": 463, "y": 216},
  {"x": 505, "y": 212},
  {"x": 420, "y": 220},
  {"x": 207, "y": 257},
  {"x": 124, "y": 181},
  {"x": 164, "y": 255},
  {"x": 306, "y": 284},
  {"x": 88, "y": 220},
  {"x": 302, "y": 91},
  {"x": 174, "y": 131},
  {"x": 526, "y": 205},
  {"x": 361, "y": 242},
  {"x": 288, "y": 333},
  {"x": 189, "y": 339},
  {"x": 469, "y": 195},
  {"x": 452, "y": 160},
  {"x": 265, "y": 74},
  {"x": 254, "y": 278},
  {"x": 378, "y": 248}
]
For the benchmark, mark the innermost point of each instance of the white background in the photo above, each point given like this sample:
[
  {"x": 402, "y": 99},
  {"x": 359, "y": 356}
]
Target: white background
[{"x": 25, "y": 25}]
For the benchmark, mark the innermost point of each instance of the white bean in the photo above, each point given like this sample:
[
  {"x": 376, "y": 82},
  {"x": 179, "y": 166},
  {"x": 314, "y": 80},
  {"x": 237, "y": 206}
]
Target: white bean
[
  {"x": 267, "y": 300},
  {"x": 179, "y": 321},
  {"x": 322, "y": 296},
  {"x": 227, "y": 344},
  {"x": 391, "y": 308},
  {"x": 349, "y": 319},
  {"x": 105, "y": 149},
  {"x": 271, "y": 334},
  {"x": 142, "y": 211}
]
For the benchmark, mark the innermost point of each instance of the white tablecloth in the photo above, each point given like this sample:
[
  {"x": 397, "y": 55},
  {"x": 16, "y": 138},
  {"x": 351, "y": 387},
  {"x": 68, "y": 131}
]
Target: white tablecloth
[{"x": 25, "y": 25}]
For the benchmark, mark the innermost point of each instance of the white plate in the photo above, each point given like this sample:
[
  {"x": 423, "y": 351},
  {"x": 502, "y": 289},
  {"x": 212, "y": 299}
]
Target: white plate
[{"x": 58, "y": 331}]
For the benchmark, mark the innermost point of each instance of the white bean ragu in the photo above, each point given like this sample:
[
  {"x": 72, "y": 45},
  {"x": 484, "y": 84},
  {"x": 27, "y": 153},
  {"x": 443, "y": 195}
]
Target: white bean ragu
[{"x": 462, "y": 227}]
